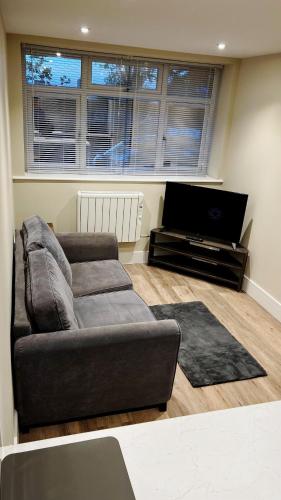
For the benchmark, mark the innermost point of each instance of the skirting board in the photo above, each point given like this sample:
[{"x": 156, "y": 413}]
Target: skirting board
[
  {"x": 137, "y": 257},
  {"x": 15, "y": 437},
  {"x": 261, "y": 296},
  {"x": 267, "y": 301}
]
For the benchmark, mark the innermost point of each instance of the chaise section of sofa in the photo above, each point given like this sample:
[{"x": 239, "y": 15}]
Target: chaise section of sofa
[{"x": 113, "y": 356}]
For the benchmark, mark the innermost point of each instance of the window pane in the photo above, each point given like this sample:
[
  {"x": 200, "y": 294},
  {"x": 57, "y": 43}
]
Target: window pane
[
  {"x": 129, "y": 75},
  {"x": 146, "y": 77},
  {"x": 54, "y": 129},
  {"x": 98, "y": 114},
  {"x": 105, "y": 73},
  {"x": 54, "y": 153},
  {"x": 146, "y": 124},
  {"x": 54, "y": 71},
  {"x": 183, "y": 136},
  {"x": 54, "y": 116},
  {"x": 191, "y": 81},
  {"x": 109, "y": 131}
]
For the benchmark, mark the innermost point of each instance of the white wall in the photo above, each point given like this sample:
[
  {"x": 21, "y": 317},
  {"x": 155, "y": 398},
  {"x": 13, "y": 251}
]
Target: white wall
[
  {"x": 254, "y": 166},
  {"x": 6, "y": 239}
]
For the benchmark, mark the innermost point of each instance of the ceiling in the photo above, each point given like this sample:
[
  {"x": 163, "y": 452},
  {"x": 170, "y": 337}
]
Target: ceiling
[{"x": 249, "y": 27}]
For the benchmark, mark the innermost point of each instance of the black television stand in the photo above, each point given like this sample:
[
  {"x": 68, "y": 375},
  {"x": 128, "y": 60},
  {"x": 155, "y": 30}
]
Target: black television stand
[{"x": 219, "y": 262}]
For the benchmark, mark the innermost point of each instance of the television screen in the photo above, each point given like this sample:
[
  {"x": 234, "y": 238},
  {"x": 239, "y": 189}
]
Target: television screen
[{"x": 204, "y": 212}]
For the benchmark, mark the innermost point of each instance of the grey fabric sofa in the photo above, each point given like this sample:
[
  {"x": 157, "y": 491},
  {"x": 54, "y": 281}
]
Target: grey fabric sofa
[{"x": 100, "y": 349}]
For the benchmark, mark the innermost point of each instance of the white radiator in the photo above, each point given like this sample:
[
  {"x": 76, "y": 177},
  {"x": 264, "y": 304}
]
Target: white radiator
[{"x": 110, "y": 212}]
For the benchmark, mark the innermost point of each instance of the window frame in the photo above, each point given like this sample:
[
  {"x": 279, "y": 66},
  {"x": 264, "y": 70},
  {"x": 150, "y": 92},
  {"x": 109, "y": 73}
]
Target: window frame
[
  {"x": 31, "y": 135},
  {"x": 88, "y": 89}
]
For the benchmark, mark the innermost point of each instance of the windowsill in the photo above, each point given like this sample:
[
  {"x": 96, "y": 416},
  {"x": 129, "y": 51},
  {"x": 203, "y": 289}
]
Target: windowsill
[{"x": 116, "y": 178}]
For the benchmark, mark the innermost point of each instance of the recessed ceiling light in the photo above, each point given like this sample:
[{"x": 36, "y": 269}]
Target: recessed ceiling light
[
  {"x": 85, "y": 30},
  {"x": 58, "y": 54},
  {"x": 221, "y": 46}
]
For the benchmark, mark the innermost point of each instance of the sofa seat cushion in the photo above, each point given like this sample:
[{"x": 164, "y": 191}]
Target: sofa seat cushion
[
  {"x": 49, "y": 298},
  {"x": 115, "y": 308},
  {"x": 100, "y": 276},
  {"x": 37, "y": 235}
]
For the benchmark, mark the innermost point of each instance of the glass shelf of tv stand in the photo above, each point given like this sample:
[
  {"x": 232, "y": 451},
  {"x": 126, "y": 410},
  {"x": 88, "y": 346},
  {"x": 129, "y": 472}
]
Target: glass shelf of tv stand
[
  {"x": 176, "y": 234},
  {"x": 200, "y": 269}
]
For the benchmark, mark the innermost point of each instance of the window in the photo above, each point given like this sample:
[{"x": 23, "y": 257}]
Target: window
[{"x": 89, "y": 114}]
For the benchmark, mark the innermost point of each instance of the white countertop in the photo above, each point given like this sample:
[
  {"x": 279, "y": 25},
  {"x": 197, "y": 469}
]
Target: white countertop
[{"x": 224, "y": 455}]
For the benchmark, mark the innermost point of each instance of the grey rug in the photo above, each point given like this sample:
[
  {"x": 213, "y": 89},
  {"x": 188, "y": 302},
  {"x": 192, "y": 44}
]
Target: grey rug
[{"x": 208, "y": 353}]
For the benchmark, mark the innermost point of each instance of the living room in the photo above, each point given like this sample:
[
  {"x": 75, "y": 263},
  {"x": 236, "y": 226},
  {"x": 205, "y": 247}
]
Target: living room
[{"x": 128, "y": 110}]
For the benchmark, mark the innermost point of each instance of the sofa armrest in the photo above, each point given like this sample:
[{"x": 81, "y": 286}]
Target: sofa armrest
[
  {"x": 70, "y": 374},
  {"x": 82, "y": 247}
]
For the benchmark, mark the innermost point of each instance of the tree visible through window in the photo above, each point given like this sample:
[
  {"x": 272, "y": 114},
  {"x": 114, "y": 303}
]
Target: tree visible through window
[
  {"x": 52, "y": 70},
  {"x": 128, "y": 76}
]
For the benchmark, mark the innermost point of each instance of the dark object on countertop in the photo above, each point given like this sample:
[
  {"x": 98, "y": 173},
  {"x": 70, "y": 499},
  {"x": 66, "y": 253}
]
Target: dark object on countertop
[{"x": 86, "y": 470}]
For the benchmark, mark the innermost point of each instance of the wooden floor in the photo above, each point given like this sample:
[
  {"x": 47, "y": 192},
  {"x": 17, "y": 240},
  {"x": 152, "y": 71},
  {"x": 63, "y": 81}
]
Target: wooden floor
[{"x": 242, "y": 316}]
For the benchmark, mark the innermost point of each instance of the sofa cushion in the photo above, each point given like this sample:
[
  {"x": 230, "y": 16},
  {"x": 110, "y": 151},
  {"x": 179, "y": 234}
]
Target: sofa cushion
[
  {"x": 37, "y": 235},
  {"x": 99, "y": 276},
  {"x": 115, "y": 308},
  {"x": 49, "y": 298},
  {"x": 21, "y": 323}
]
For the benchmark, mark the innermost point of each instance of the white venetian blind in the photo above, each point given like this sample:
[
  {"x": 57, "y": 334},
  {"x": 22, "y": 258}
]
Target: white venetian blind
[
  {"x": 189, "y": 118},
  {"x": 92, "y": 114}
]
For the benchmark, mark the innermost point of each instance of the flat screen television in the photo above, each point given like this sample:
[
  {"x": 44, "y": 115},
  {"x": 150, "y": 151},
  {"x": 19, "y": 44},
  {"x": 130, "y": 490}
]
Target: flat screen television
[{"x": 204, "y": 213}]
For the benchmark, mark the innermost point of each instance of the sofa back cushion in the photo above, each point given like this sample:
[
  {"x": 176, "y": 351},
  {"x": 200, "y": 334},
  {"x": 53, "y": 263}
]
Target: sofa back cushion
[
  {"x": 20, "y": 320},
  {"x": 49, "y": 299},
  {"x": 37, "y": 235}
]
